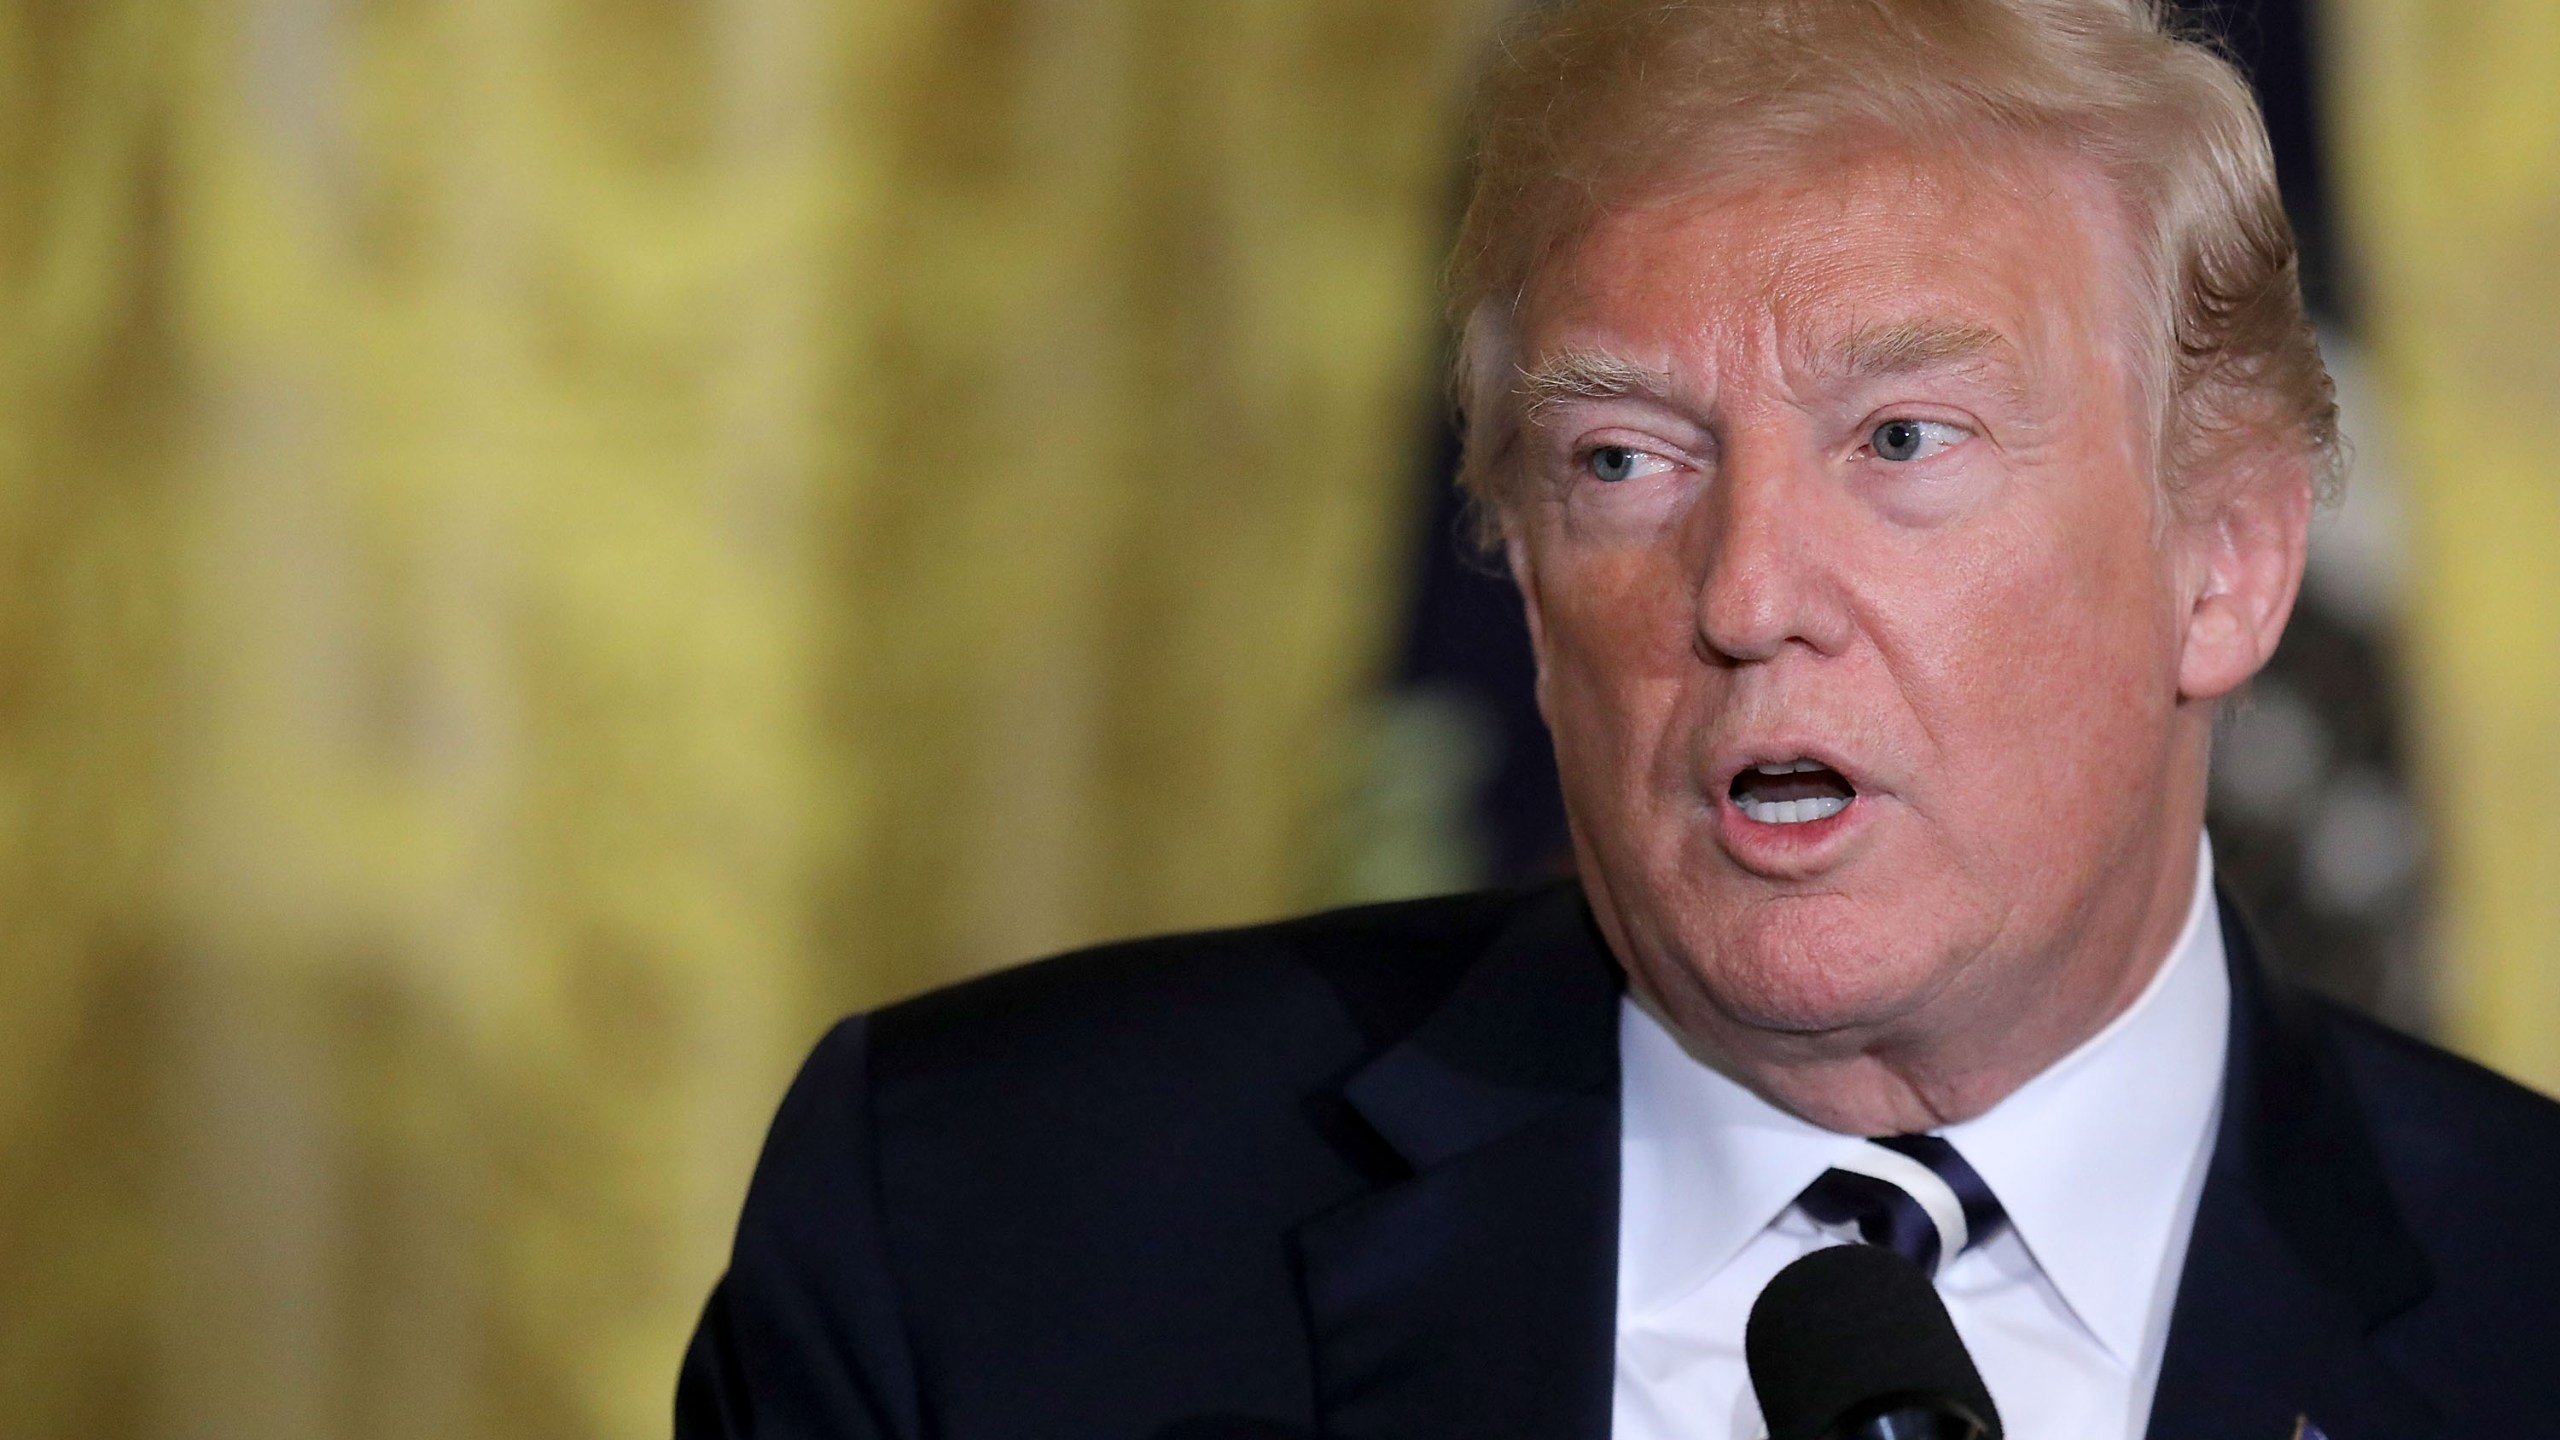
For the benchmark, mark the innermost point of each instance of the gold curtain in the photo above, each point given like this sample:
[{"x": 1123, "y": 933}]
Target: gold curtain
[
  {"x": 86, "y": 678},
  {"x": 554, "y": 545},
  {"x": 2449, "y": 155}
]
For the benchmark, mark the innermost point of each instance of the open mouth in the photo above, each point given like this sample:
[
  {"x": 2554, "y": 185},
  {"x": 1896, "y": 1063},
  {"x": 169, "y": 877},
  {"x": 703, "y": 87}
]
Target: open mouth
[{"x": 1792, "y": 792}]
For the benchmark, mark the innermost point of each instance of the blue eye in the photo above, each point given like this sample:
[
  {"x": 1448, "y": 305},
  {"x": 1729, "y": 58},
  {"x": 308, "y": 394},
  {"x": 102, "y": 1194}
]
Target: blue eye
[
  {"x": 1613, "y": 463},
  {"x": 1912, "y": 439}
]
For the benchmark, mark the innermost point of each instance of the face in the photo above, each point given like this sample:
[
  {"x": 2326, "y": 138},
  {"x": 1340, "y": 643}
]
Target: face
[{"x": 1879, "y": 682}]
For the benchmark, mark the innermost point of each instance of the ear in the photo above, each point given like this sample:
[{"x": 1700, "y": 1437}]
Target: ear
[{"x": 2244, "y": 565}]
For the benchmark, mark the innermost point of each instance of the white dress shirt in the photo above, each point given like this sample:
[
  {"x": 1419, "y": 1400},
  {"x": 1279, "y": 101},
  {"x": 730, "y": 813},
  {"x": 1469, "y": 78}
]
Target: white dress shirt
[{"x": 2098, "y": 1161}]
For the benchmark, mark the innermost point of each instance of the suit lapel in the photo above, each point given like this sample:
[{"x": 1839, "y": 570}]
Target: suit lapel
[
  {"x": 1475, "y": 1293},
  {"x": 2298, "y": 1252}
]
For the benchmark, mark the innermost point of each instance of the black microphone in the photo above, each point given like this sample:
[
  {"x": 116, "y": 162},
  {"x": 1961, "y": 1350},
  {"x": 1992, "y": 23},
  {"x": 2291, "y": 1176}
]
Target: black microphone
[{"x": 1852, "y": 1343}]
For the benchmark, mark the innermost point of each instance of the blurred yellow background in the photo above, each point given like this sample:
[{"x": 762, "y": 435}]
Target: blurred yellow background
[{"x": 553, "y": 546}]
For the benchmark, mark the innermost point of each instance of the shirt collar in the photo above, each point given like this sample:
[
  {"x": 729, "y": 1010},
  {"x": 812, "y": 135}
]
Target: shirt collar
[
  {"x": 2095, "y": 1160},
  {"x": 1704, "y": 1164}
]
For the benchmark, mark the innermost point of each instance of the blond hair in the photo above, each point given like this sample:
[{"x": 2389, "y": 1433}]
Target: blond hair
[{"x": 1595, "y": 104}]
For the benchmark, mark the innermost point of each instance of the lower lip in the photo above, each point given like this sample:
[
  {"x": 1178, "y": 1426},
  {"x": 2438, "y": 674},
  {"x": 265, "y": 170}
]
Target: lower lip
[{"x": 1751, "y": 839}]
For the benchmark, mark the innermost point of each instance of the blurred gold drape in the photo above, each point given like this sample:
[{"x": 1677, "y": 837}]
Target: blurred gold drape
[
  {"x": 2449, "y": 155},
  {"x": 555, "y": 544}
]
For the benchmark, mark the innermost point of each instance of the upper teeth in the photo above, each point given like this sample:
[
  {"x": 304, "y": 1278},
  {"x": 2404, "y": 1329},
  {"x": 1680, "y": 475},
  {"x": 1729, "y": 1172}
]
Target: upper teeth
[
  {"x": 1790, "y": 767},
  {"x": 1794, "y": 812}
]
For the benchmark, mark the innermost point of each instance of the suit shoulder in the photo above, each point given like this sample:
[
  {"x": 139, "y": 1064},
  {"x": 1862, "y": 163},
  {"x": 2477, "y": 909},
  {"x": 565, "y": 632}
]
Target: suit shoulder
[
  {"x": 1348, "y": 978},
  {"x": 2430, "y": 1105}
]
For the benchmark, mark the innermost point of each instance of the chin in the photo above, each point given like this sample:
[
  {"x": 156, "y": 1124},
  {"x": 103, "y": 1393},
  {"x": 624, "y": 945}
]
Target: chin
[{"x": 1806, "y": 965}]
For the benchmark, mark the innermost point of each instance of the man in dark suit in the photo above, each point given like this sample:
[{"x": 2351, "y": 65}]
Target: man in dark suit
[{"x": 1901, "y": 421}]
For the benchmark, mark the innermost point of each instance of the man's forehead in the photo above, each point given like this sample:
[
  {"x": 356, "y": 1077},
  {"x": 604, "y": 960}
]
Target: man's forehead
[
  {"x": 1870, "y": 263},
  {"x": 2014, "y": 320}
]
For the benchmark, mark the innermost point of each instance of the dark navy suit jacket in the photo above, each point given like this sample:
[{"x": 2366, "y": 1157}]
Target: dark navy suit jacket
[{"x": 1356, "y": 1175}]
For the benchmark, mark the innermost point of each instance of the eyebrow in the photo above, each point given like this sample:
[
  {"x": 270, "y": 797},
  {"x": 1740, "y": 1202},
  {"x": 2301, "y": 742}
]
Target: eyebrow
[
  {"x": 1872, "y": 352},
  {"x": 1909, "y": 347},
  {"x": 1583, "y": 374}
]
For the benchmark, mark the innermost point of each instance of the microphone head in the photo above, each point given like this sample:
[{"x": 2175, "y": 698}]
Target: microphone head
[{"x": 1853, "y": 1335}]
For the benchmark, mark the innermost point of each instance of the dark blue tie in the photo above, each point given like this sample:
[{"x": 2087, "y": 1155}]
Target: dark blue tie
[{"x": 1912, "y": 1194}]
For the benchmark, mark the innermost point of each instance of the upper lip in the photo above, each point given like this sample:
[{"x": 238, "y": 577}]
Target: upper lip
[{"x": 1739, "y": 758}]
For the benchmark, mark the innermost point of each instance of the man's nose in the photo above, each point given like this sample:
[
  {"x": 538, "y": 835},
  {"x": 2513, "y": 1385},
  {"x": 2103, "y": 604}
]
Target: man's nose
[{"x": 1764, "y": 559}]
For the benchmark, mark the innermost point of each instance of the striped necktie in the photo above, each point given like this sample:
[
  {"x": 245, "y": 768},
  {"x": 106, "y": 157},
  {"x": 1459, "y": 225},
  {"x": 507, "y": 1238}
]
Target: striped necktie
[{"x": 1912, "y": 1194}]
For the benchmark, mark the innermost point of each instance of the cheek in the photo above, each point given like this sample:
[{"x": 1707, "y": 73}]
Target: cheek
[
  {"x": 2051, "y": 672},
  {"x": 2112, "y": 613},
  {"x": 1616, "y": 651}
]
